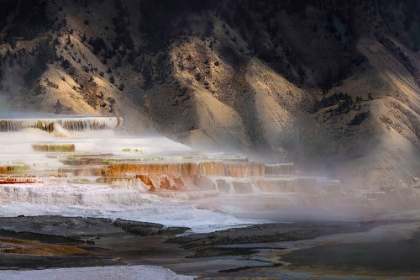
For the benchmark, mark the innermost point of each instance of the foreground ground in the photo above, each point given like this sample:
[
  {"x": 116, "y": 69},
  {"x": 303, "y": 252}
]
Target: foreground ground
[{"x": 318, "y": 250}]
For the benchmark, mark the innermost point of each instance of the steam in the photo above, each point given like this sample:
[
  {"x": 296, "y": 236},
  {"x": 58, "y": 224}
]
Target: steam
[{"x": 155, "y": 179}]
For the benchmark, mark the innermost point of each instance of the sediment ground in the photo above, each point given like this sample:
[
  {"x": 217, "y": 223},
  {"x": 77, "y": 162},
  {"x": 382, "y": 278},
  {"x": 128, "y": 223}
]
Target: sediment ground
[{"x": 264, "y": 250}]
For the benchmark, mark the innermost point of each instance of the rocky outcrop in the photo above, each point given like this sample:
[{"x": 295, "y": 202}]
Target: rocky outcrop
[{"x": 146, "y": 229}]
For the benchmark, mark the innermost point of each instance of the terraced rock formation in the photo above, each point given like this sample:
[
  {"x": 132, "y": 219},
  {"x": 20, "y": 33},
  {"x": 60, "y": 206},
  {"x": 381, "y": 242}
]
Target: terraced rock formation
[
  {"x": 329, "y": 85},
  {"x": 109, "y": 171}
]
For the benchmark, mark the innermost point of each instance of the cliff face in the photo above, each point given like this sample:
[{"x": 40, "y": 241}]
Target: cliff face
[{"x": 331, "y": 85}]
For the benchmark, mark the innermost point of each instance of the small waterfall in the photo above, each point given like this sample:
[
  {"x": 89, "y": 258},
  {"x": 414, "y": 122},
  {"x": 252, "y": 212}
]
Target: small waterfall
[
  {"x": 205, "y": 183},
  {"x": 71, "y": 123},
  {"x": 60, "y": 132},
  {"x": 255, "y": 187},
  {"x": 224, "y": 186},
  {"x": 280, "y": 169},
  {"x": 98, "y": 171},
  {"x": 211, "y": 168},
  {"x": 92, "y": 196},
  {"x": 122, "y": 183},
  {"x": 191, "y": 169},
  {"x": 140, "y": 168},
  {"x": 241, "y": 170}
]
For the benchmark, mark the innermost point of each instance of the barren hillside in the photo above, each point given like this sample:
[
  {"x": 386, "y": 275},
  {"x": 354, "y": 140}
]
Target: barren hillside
[{"x": 330, "y": 85}]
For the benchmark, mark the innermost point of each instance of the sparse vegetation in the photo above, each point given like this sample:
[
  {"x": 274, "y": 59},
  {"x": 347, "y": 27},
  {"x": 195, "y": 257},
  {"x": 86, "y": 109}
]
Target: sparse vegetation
[
  {"x": 343, "y": 100},
  {"x": 50, "y": 84},
  {"x": 359, "y": 118},
  {"x": 45, "y": 53},
  {"x": 65, "y": 64},
  {"x": 98, "y": 45},
  {"x": 39, "y": 89}
]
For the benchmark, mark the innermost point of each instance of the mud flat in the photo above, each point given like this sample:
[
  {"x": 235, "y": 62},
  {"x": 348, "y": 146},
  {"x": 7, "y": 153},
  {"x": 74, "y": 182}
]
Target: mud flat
[
  {"x": 293, "y": 250},
  {"x": 390, "y": 258},
  {"x": 57, "y": 242}
]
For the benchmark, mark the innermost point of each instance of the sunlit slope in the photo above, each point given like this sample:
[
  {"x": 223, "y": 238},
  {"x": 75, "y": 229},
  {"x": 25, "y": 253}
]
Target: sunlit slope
[
  {"x": 234, "y": 75},
  {"x": 383, "y": 151}
]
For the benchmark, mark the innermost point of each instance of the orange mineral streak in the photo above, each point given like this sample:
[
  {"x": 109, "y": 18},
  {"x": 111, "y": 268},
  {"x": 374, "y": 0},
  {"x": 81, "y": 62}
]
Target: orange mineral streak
[
  {"x": 240, "y": 170},
  {"x": 122, "y": 169},
  {"x": 212, "y": 168},
  {"x": 162, "y": 182},
  {"x": 165, "y": 183},
  {"x": 4, "y": 169},
  {"x": 177, "y": 183},
  {"x": 147, "y": 181},
  {"x": 8, "y": 181},
  {"x": 191, "y": 169}
]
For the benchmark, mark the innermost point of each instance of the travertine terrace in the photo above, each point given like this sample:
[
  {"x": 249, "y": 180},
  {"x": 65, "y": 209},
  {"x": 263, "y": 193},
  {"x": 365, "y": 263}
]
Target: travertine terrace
[
  {"x": 69, "y": 123},
  {"x": 93, "y": 167}
]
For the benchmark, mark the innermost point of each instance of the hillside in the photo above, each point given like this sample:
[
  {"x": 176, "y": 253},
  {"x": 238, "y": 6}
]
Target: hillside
[{"x": 330, "y": 85}]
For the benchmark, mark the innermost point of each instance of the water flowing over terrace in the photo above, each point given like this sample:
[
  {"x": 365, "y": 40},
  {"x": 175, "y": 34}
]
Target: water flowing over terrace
[
  {"x": 68, "y": 123},
  {"x": 114, "y": 176}
]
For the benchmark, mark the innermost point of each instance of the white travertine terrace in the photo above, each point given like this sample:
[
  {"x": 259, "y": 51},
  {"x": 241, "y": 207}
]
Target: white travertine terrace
[
  {"x": 100, "y": 174},
  {"x": 68, "y": 123}
]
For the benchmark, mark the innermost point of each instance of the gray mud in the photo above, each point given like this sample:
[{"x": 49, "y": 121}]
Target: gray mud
[
  {"x": 263, "y": 250},
  {"x": 268, "y": 233}
]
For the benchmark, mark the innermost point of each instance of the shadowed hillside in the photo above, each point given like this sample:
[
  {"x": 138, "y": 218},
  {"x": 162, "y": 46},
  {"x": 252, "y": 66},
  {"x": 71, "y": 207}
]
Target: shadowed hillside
[{"x": 330, "y": 85}]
